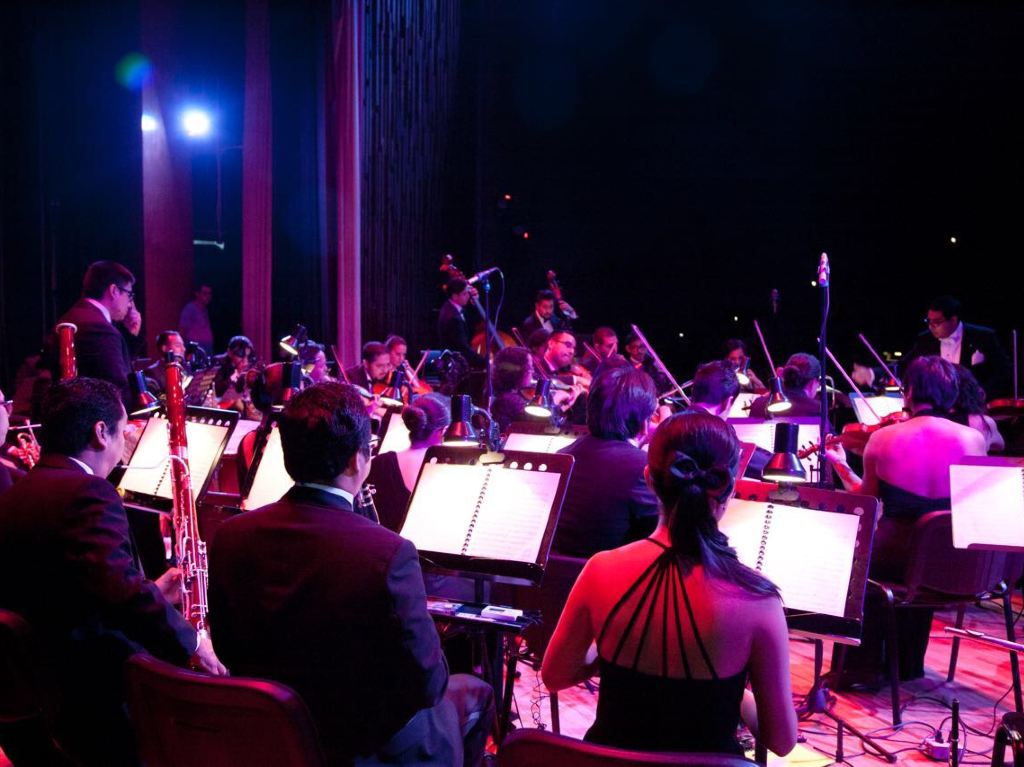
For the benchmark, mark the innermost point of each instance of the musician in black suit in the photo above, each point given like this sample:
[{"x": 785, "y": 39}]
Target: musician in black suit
[
  {"x": 975, "y": 347},
  {"x": 452, "y": 327},
  {"x": 68, "y": 566},
  {"x": 373, "y": 368},
  {"x": 549, "y": 314},
  {"x": 307, "y": 592},
  {"x": 101, "y": 351},
  {"x": 608, "y": 502}
]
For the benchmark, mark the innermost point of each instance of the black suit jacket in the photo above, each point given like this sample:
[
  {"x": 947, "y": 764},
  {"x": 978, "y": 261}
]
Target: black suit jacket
[
  {"x": 100, "y": 349},
  {"x": 453, "y": 333},
  {"x": 994, "y": 374},
  {"x": 607, "y": 503},
  {"x": 531, "y": 325},
  {"x": 67, "y": 565},
  {"x": 306, "y": 592},
  {"x": 357, "y": 376}
]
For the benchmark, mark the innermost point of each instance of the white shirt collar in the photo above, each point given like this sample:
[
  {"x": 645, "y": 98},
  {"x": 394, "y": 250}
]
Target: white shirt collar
[
  {"x": 85, "y": 467},
  {"x": 457, "y": 307},
  {"x": 101, "y": 307},
  {"x": 950, "y": 347},
  {"x": 332, "y": 490}
]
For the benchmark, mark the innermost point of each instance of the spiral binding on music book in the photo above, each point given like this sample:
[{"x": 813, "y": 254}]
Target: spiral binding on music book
[
  {"x": 764, "y": 536},
  {"x": 476, "y": 510}
]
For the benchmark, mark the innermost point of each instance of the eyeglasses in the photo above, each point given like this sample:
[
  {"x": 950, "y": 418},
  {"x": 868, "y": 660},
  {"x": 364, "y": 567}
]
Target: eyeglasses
[
  {"x": 129, "y": 293},
  {"x": 8, "y": 405},
  {"x": 934, "y": 323}
]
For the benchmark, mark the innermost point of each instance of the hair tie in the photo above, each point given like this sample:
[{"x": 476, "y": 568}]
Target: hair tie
[{"x": 685, "y": 469}]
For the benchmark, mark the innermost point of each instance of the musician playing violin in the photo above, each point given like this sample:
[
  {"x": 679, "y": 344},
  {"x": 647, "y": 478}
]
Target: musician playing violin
[
  {"x": 605, "y": 344},
  {"x": 401, "y": 372},
  {"x": 373, "y": 369},
  {"x": 637, "y": 355},
  {"x": 546, "y": 316},
  {"x": 906, "y": 465}
]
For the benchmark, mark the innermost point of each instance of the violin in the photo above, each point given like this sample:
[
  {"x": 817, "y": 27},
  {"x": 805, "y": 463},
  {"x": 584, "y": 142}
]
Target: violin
[
  {"x": 499, "y": 340},
  {"x": 854, "y": 436}
]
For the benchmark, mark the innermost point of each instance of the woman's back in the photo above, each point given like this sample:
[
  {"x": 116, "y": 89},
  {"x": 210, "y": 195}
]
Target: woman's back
[{"x": 674, "y": 647}]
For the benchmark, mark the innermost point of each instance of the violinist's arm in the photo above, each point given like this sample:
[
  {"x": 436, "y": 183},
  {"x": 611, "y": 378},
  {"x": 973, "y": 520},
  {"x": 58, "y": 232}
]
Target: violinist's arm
[{"x": 836, "y": 456}]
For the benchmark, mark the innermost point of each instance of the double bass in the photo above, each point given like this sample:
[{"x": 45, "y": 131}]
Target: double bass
[{"x": 499, "y": 339}]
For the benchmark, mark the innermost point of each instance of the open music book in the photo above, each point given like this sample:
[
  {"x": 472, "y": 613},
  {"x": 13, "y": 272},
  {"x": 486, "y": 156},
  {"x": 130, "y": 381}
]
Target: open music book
[
  {"x": 882, "y": 405},
  {"x": 988, "y": 503},
  {"x": 464, "y": 511},
  {"x": 539, "y": 443},
  {"x": 270, "y": 480},
  {"x": 207, "y": 431},
  {"x": 815, "y": 549}
]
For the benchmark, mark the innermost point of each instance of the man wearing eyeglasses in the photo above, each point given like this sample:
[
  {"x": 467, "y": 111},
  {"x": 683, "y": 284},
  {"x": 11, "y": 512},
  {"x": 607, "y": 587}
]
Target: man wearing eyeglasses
[
  {"x": 108, "y": 296},
  {"x": 973, "y": 346}
]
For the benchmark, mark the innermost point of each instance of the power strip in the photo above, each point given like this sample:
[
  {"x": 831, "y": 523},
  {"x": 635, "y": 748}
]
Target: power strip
[{"x": 937, "y": 750}]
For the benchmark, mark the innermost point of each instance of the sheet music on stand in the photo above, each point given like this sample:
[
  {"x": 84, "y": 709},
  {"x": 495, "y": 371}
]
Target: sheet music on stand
[
  {"x": 762, "y": 434},
  {"x": 741, "y": 405},
  {"x": 882, "y": 404},
  {"x": 541, "y": 437},
  {"x": 490, "y": 515},
  {"x": 987, "y": 495},
  {"x": 394, "y": 434},
  {"x": 146, "y": 480},
  {"x": 816, "y": 548},
  {"x": 268, "y": 479}
]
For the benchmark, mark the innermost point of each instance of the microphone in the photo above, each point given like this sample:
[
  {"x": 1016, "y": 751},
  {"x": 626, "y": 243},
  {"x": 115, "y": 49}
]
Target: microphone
[
  {"x": 823, "y": 271},
  {"x": 482, "y": 275}
]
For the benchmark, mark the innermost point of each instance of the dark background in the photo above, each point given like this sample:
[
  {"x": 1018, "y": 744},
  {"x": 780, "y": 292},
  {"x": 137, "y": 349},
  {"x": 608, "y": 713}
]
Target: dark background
[{"x": 672, "y": 162}]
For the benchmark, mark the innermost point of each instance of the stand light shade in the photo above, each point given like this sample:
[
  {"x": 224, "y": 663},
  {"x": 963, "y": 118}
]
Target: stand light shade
[
  {"x": 298, "y": 337},
  {"x": 143, "y": 403},
  {"x": 741, "y": 374},
  {"x": 461, "y": 431},
  {"x": 785, "y": 466},
  {"x": 777, "y": 400},
  {"x": 540, "y": 405}
]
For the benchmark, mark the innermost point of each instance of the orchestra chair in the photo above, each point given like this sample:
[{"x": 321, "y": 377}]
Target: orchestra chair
[
  {"x": 182, "y": 717},
  {"x": 1010, "y": 733},
  {"x": 536, "y": 748},
  {"x": 937, "y": 576},
  {"x": 560, "y": 576},
  {"x": 26, "y": 702},
  {"x": 1003, "y": 592}
]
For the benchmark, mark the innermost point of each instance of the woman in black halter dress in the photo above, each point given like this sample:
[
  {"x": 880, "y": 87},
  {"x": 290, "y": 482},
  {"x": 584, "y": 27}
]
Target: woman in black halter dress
[{"x": 675, "y": 624}]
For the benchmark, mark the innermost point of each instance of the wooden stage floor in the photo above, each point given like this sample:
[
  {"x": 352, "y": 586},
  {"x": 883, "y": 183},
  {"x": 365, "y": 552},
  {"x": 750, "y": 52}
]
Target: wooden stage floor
[{"x": 982, "y": 685}]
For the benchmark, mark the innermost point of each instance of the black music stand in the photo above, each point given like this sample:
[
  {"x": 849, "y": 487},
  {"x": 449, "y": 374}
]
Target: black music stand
[
  {"x": 490, "y": 517},
  {"x": 840, "y": 625}
]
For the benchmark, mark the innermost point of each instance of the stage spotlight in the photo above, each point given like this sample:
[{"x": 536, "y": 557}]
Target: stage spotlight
[
  {"x": 196, "y": 123},
  {"x": 148, "y": 123}
]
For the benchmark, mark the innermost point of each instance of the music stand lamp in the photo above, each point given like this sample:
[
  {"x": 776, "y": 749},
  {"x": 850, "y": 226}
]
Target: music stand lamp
[
  {"x": 291, "y": 343},
  {"x": 460, "y": 433},
  {"x": 785, "y": 467},
  {"x": 540, "y": 406},
  {"x": 143, "y": 402},
  {"x": 778, "y": 402}
]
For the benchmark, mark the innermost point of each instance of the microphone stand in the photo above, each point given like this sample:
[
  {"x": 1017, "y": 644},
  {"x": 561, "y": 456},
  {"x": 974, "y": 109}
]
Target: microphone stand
[
  {"x": 485, "y": 284},
  {"x": 823, "y": 426}
]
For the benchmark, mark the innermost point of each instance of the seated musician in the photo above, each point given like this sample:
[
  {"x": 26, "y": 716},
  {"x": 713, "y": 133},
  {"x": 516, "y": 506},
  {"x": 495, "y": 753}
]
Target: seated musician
[
  {"x": 906, "y": 465},
  {"x": 235, "y": 376},
  {"x": 307, "y": 592},
  {"x": 68, "y": 564},
  {"x": 736, "y": 353},
  {"x": 168, "y": 342},
  {"x": 680, "y": 686},
  {"x": 546, "y": 316},
  {"x": 314, "y": 363},
  {"x": 400, "y": 371},
  {"x": 636, "y": 353},
  {"x": 604, "y": 345},
  {"x": 970, "y": 409},
  {"x": 513, "y": 374},
  {"x": 394, "y": 474},
  {"x": 608, "y": 503},
  {"x": 373, "y": 369},
  {"x": 11, "y": 469},
  {"x": 800, "y": 383}
]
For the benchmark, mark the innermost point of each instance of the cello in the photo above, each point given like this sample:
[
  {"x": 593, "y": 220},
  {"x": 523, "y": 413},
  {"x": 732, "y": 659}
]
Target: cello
[{"x": 499, "y": 340}]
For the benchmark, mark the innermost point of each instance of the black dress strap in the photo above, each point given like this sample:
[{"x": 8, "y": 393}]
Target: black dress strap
[{"x": 660, "y": 582}]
